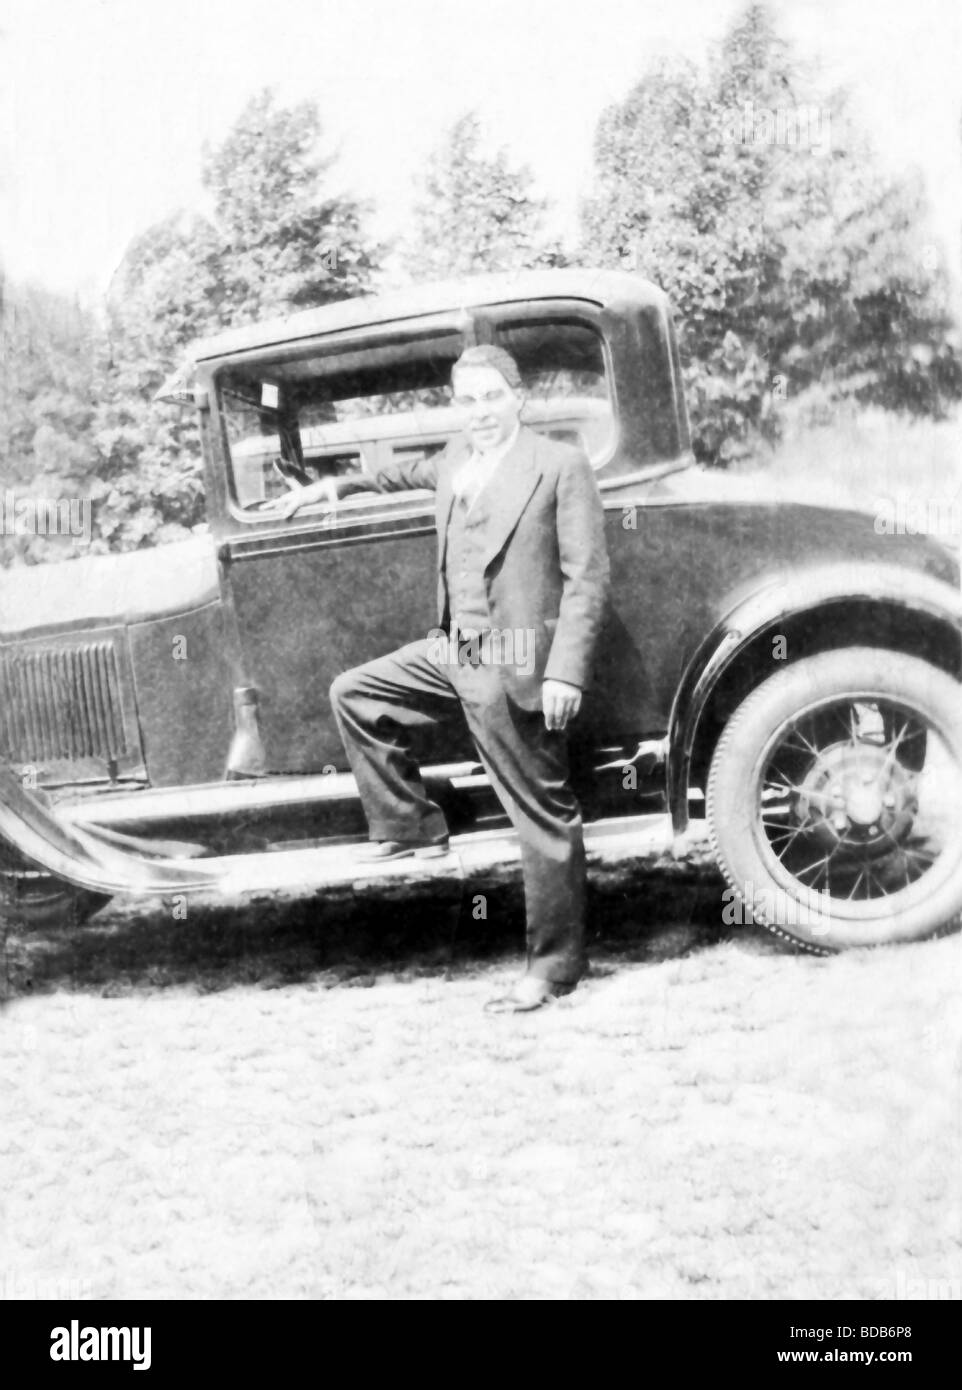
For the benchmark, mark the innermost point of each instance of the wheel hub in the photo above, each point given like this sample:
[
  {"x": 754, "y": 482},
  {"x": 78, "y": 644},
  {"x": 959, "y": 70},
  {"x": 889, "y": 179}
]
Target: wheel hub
[{"x": 856, "y": 794}]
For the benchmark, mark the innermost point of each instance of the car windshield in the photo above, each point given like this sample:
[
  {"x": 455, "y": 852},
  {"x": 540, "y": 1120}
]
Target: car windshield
[{"x": 355, "y": 408}]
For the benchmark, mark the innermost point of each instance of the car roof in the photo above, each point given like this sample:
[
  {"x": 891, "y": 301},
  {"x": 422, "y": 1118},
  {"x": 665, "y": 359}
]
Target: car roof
[{"x": 600, "y": 287}]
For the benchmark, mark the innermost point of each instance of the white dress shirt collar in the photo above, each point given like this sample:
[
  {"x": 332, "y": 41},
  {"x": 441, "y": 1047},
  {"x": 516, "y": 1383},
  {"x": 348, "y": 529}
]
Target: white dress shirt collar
[{"x": 478, "y": 468}]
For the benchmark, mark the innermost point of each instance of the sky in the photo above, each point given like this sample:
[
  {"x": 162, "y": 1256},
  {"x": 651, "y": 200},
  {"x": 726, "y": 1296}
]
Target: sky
[{"x": 105, "y": 104}]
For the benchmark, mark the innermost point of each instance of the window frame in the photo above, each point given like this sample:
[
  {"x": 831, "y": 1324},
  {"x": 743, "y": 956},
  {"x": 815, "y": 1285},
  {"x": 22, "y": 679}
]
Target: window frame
[
  {"x": 491, "y": 320},
  {"x": 474, "y": 325}
]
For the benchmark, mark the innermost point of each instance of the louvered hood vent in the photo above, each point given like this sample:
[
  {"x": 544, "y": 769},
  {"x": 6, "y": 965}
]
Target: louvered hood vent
[{"x": 71, "y": 703}]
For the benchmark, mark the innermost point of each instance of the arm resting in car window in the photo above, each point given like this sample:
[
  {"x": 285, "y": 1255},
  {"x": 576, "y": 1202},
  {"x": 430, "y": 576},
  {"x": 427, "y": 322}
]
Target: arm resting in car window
[
  {"x": 394, "y": 477},
  {"x": 413, "y": 473}
]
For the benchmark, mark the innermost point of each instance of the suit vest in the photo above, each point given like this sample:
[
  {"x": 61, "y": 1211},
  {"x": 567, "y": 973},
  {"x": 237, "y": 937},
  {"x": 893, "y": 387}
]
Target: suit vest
[{"x": 464, "y": 565}]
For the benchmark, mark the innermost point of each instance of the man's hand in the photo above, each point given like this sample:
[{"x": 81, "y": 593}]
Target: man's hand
[
  {"x": 298, "y": 497},
  {"x": 560, "y": 702}
]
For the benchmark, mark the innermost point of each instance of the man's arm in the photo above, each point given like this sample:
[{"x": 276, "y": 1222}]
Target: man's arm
[
  {"x": 412, "y": 473},
  {"x": 580, "y": 520},
  {"x": 392, "y": 477}
]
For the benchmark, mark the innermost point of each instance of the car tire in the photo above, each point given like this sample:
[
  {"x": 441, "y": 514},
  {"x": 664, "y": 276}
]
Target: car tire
[{"x": 834, "y": 798}]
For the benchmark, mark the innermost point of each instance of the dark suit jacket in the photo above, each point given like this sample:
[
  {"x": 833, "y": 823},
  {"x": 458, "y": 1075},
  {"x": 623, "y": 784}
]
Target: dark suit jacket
[{"x": 546, "y": 566}]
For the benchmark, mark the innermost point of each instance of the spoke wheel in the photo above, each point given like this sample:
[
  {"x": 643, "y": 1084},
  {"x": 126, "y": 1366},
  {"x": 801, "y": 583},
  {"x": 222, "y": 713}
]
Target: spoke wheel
[{"x": 835, "y": 800}]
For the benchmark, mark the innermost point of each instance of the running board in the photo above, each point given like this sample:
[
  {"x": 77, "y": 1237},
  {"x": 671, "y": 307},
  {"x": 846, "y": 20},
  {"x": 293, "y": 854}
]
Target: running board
[
  {"x": 478, "y": 860},
  {"x": 250, "y": 817},
  {"x": 212, "y": 799},
  {"x": 185, "y": 812}
]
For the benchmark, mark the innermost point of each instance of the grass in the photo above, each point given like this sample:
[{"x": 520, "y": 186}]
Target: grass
[{"x": 707, "y": 1117}]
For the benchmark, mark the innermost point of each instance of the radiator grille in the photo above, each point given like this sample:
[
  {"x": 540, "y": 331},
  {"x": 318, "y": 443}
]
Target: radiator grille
[{"x": 61, "y": 703}]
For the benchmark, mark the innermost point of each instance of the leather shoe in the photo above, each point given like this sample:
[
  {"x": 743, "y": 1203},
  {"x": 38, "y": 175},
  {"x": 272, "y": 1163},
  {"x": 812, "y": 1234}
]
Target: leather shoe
[
  {"x": 378, "y": 851},
  {"x": 530, "y": 992}
]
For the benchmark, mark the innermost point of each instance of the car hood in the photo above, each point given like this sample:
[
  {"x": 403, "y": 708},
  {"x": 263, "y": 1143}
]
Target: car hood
[{"x": 109, "y": 589}]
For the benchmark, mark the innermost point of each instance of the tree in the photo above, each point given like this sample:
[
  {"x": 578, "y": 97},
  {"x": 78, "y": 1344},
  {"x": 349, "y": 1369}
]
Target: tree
[
  {"x": 792, "y": 263},
  {"x": 279, "y": 242},
  {"x": 478, "y": 212},
  {"x": 46, "y": 408},
  {"x": 273, "y": 241},
  {"x": 149, "y": 470}
]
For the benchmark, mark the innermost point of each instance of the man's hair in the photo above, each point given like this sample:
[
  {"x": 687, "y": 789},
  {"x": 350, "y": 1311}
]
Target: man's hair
[{"x": 489, "y": 355}]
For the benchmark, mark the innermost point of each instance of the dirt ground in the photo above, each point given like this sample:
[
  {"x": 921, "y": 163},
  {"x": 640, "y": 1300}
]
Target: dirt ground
[{"x": 263, "y": 1115}]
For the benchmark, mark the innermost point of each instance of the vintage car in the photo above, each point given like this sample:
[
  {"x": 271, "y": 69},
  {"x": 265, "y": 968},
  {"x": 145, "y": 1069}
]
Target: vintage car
[{"x": 774, "y": 671}]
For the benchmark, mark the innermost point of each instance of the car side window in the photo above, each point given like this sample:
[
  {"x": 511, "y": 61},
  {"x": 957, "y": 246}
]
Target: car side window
[
  {"x": 339, "y": 413},
  {"x": 564, "y": 368}
]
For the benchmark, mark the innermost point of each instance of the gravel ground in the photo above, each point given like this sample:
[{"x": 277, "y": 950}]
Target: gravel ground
[{"x": 707, "y": 1117}]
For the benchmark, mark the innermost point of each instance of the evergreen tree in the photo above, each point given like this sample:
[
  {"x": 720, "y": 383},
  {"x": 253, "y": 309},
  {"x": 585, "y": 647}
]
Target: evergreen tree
[
  {"x": 274, "y": 242},
  {"x": 792, "y": 263},
  {"x": 478, "y": 213},
  {"x": 278, "y": 242},
  {"x": 46, "y": 407}
]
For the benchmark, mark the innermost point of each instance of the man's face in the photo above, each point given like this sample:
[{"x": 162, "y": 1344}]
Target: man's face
[{"x": 489, "y": 406}]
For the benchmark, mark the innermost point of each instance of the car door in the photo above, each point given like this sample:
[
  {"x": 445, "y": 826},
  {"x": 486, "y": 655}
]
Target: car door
[{"x": 319, "y": 593}]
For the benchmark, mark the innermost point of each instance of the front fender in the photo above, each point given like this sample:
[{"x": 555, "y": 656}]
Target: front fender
[
  {"x": 79, "y": 856},
  {"x": 783, "y": 597}
]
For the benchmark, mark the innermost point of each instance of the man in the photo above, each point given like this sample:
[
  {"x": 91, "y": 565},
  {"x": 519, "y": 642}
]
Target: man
[{"x": 522, "y": 587}]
